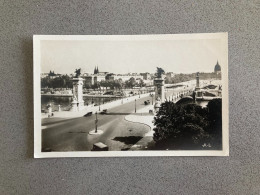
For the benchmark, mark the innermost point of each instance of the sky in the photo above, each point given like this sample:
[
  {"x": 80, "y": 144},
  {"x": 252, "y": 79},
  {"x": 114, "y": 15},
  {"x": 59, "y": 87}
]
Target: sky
[{"x": 120, "y": 57}]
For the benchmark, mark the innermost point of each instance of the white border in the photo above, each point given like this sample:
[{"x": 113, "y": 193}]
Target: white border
[{"x": 37, "y": 95}]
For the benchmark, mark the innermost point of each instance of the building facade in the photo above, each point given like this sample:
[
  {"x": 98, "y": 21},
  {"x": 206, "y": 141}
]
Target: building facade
[
  {"x": 146, "y": 76},
  {"x": 124, "y": 77}
]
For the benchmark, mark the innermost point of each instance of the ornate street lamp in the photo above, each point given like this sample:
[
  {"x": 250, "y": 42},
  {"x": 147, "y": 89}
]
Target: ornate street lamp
[
  {"x": 99, "y": 104},
  {"x": 135, "y": 105},
  {"x": 96, "y": 121}
]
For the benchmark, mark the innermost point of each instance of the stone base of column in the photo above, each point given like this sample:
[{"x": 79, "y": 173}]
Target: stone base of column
[
  {"x": 81, "y": 105},
  {"x": 74, "y": 107}
]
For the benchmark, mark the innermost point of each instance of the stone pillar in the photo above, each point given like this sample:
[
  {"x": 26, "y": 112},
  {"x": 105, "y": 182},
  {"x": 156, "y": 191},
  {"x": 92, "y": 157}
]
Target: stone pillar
[
  {"x": 159, "y": 89},
  {"x": 74, "y": 106},
  {"x": 157, "y": 104},
  {"x": 78, "y": 102},
  {"x": 197, "y": 82}
]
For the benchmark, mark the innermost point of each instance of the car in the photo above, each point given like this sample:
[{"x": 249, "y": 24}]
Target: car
[
  {"x": 146, "y": 102},
  {"x": 99, "y": 147},
  {"x": 88, "y": 114},
  {"x": 104, "y": 111}
]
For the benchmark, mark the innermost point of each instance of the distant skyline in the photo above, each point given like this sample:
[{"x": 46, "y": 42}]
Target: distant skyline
[{"x": 139, "y": 56}]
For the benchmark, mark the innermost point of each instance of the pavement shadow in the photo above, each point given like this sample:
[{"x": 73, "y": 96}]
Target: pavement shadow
[
  {"x": 129, "y": 140},
  {"x": 49, "y": 121},
  {"x": 118, "y": 113},
  {"x": 122, "y": 113}
]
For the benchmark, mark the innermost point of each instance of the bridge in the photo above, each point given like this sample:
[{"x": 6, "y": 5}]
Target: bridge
[
  {"x": 84, "y": 95},
  {"x": 175, "y": 97}
]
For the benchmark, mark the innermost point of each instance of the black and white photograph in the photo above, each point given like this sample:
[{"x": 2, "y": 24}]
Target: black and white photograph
[{"x": 131, "y": 95}]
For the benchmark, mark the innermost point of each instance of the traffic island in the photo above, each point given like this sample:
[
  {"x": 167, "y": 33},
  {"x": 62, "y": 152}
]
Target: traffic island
[
  {"x": 146, "y": 119},
  {"x": 96, "y": 132}
]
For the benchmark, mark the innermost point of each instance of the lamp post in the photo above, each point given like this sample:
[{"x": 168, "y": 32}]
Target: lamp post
[
  {"x": 135, "y": 105},
  {"x": 96, "y": 121},
  {"x": 99, "y": 104}
]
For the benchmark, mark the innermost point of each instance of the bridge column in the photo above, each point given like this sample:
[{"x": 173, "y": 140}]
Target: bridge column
[
  {"x": 78, "y": 102},
  {"x": 159, "y": 89},
  {"x": 197, "y": 82}
]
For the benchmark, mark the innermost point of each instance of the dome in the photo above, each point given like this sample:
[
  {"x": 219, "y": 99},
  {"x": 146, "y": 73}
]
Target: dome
[{"x": 217, "y": 68}]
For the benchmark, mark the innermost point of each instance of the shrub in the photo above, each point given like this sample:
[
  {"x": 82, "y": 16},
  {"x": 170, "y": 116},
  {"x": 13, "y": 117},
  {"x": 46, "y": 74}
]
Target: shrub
[{"x": 189, "y": 122}]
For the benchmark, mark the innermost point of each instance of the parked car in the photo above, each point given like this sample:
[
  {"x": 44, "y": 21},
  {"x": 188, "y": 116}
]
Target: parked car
[
  {"x": 104, "y": 111},
  {"x": 99, "y": 147},
  {"x": 146, "y": 102}
]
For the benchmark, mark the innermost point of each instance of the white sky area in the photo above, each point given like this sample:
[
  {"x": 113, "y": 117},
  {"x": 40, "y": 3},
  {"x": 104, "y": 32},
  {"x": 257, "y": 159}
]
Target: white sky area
[{"x": 120, "y": 57}]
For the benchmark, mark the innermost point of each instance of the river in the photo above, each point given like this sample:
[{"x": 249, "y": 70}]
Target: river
[{"x": 65, "y": 102}]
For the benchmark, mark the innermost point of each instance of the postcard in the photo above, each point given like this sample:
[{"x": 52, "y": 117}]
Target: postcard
[{"x": 131, "y": 95}]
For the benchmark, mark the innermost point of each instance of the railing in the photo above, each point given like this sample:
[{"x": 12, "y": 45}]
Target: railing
[{"x": 179, "y": 95}]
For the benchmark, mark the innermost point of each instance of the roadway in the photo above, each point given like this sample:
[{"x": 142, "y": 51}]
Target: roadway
[{"x": 72, "y": 134}]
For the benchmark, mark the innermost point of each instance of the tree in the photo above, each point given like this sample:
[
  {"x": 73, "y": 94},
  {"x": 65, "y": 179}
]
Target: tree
[
  {"x": 63, "y": 81},
  {"x": 46, "y": 82},
  {"x": 168, "y": 80},
  {"x": 96, "y": 86},
  {"x": 67, "y": 83},
  {"x": 180, "y": 121},
  {"x": 87, "y": 85},
  {"x": 103, "y": 84},
  {"x": 120, "y": 84},
  {"x": 141, "y": 83},
  {"x": 130, "y": 83},
  {"x": 215, "y": 119},
  {"x": 117, "y": 85},
  {"x": 189, "y": 123}
]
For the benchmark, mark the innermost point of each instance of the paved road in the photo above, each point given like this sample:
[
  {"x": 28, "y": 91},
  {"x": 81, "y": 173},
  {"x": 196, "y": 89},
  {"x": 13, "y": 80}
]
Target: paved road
[
  {"x": 72, "y": 134},
  {"x": 119, "y": 134}
]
